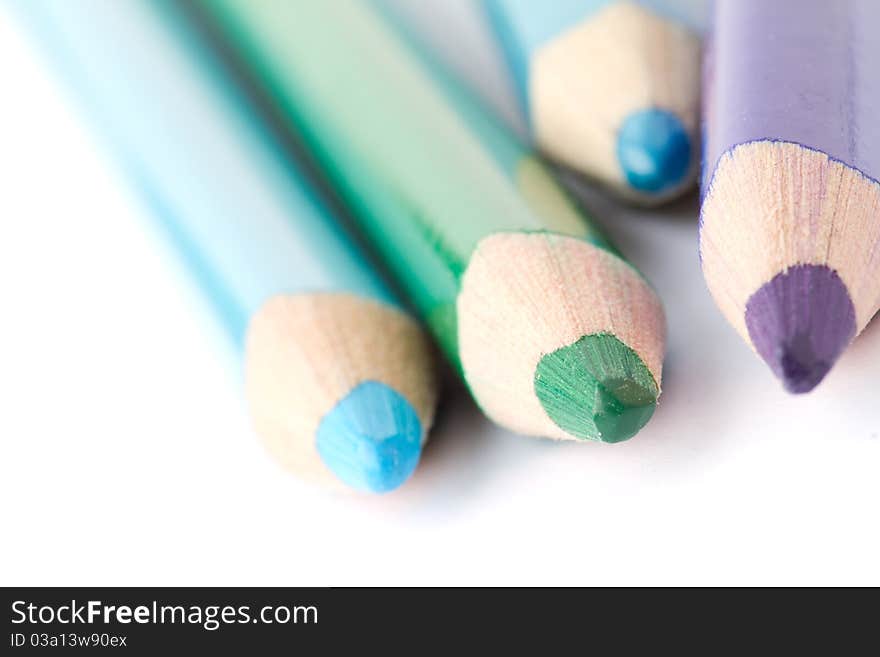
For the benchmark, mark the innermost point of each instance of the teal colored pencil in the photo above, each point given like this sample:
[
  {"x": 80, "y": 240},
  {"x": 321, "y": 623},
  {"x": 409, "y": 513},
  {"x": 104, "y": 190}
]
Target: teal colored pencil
[
  {"x": 609, "y": 87},
  {"x": 340, "y": 381},
  {"x": 554, "y": 333}
]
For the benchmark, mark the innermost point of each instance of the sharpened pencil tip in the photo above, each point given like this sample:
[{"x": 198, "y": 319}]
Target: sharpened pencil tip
[
  {"x": 800, "y": 322},
  {"x": 654, "y": 150},
  {"x": 371, "y": 439},
  {"x": 596, "y": 388},
  {"x": 801, "y": 370},
  {"x": 621, "y": 408}
]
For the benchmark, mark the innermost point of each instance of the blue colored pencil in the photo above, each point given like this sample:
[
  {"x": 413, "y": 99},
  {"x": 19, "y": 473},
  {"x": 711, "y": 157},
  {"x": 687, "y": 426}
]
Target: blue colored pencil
[
  {"x": 609, "y": 87},
  {"x": 340, "y": 381}
]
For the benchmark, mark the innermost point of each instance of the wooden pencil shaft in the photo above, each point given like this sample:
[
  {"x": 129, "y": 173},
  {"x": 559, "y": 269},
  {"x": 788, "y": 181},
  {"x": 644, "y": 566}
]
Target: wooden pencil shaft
[{"x": 244, "y": 220}]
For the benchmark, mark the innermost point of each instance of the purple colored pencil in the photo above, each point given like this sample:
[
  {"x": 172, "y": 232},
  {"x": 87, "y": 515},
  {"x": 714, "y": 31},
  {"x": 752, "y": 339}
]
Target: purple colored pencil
[{"x": 790, "y": 223}]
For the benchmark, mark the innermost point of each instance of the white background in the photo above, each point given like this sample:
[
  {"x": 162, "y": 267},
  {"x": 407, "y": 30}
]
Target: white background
[{"x": 126, "y": 456}]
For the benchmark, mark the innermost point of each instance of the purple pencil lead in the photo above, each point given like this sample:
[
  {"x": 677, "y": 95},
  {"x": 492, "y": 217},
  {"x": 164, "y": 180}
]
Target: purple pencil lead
[{"x": 800, "y": 322}]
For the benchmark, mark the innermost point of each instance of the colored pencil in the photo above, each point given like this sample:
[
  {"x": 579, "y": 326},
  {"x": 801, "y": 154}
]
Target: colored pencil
[
  {"x": 791, "y": 210},
  {"x": 340, "y": 381},
  {"x": 553, "y": 332},
  {"x": 609, "y": 87}
]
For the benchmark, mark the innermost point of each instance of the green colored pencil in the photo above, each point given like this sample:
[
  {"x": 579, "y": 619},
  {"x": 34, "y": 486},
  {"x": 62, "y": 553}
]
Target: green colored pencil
[{"x": 553, "y": 332}]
